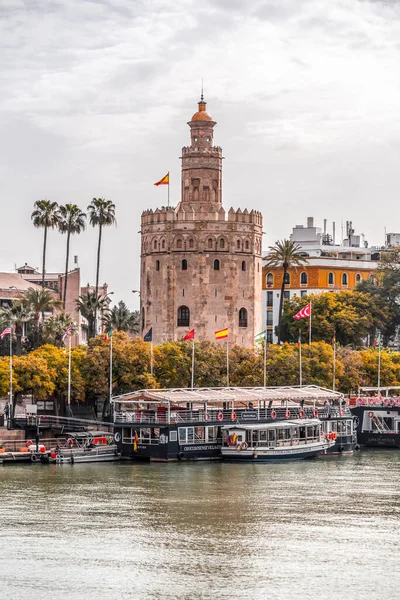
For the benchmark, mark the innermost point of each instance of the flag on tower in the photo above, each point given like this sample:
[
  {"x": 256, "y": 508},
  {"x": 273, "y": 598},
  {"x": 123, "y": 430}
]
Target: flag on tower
[
  {"x": 221, "y": 334},
  {"x": 164, "y": 180},
  {"x": 189, "y": 336},
  {"x": 149, "y": 335},
  {"x": 304, "y": 312},
  {"x": 6, "y": 331}
]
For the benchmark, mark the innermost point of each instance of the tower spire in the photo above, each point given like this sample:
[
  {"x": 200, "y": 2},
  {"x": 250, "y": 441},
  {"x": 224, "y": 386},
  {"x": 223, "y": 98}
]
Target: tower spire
[{"x": 202, "y": 95}]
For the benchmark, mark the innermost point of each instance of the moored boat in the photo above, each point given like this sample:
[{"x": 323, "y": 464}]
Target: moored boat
[
  {"x": 85, "y": 447},
  {"x": 283, "y": 440},
  {"x": 377, "y": 411}
]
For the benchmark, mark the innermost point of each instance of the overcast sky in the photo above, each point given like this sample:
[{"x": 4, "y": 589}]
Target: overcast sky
[{"x": 95, "y": 97}]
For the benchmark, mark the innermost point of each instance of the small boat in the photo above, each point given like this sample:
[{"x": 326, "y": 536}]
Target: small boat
[
  {"x": 378, "y": 417},
  {"x": 283, "y": 440},
  {"x": 85, "y": 447}
]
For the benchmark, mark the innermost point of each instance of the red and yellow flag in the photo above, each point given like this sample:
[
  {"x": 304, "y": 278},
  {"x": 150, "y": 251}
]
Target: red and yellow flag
[
  {"x": 164, "y": 180},
  {"x": 189, "y": 336},
  {"x": 221, "y": 334}
]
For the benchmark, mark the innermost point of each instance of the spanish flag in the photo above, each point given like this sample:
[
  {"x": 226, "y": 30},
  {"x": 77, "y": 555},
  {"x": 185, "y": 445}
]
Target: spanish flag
[
  {"x": 135, "y": 442},
  {"x": 164, "y": 180},
  {"x": 221, "y": 334}
]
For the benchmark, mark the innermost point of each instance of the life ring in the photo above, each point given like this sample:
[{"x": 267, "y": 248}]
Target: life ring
[
  {"x": 392, "y": 402},
  {"x": 287, "y": 414},
  {"x": 302, "y": 414},
  {"x": 341, "y": 412},
  {"x": 206, "y": 417},
  {"x": 244, "y": 446},
  {"x": 70, "y": 442},
  {"x": 333, "y": 436},
  {"x": 233, "y": 416},
  {"x": 28, "y": 443},
  {"x": 230, "y": 441},
  {"x": 370, "y": 414},
  {"x": 117, "y": 436},
  {"x": 33, "y": 458},
  {"x": 372, "y": 402},
  {"x": 315, "y": 412},
  {"x": 220, "y": 416},
  {"x": 273, "y": 414},
  {"x": 386, "y": 402}
]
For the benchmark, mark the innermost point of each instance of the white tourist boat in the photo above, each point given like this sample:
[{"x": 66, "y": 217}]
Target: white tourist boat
[
  {"x": 281, "y": 440},
  {"x": 85, "y": 447}
]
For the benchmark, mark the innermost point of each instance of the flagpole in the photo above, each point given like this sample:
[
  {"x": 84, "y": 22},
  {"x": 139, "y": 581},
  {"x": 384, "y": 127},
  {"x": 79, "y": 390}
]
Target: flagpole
[
  {"x": 265, "y": 358},
  {"x": 309, "y": 332},
  {"x": 300, "y": 361},
  {"x": 192, "y": 363},
  {"x": 168, "y": 187},
  {"x": 111, "y": 363},
  {"x": 379, "y": 364},
  {"x": 69, "y": 371},
  {"x": 334, "y": 365},
  {"x": 227, "y": 361},
  {"x": 11, "y": 381},
  {"x": 151, "y": 355}
]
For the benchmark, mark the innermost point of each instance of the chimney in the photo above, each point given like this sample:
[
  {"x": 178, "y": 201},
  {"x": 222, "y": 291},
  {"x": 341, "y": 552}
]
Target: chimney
[
  {"x": 334, "y": 232},
  {"x": 310, "y": 221},
  {"x": 324, "y": 226}
]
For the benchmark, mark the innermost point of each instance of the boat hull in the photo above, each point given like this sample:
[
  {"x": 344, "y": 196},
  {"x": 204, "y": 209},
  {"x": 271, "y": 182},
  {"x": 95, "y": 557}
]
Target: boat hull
[
  {"x": 377, "y": 439},
  {"x": 273, "y": 454}
]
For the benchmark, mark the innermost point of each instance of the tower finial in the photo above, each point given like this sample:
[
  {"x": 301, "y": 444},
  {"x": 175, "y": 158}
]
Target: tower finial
[{"x": 202, "y": 95}]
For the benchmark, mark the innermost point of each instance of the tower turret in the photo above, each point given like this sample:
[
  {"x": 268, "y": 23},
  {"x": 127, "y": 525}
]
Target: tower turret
[{"x": 202, "y": 163}]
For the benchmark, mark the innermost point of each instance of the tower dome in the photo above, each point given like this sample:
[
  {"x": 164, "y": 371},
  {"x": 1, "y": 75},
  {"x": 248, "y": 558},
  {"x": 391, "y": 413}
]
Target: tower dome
[{"x": 202, "y": 114}]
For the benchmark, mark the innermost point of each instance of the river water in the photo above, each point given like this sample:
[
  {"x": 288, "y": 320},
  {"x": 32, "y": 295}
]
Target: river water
[{"x": 321, "y": 529}]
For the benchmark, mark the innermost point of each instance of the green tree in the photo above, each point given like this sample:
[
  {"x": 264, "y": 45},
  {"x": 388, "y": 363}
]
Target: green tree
[
  {"x": 89, "y": 305},
  {"x": 39, "y": 301},
  {"x": 45, "y": 215},
  {"x": 17, "y": 315},
  {"x": 71, "y": 221},
  {"x": 101, "y": 214},
  {"x": 285, "y": 255},
  {"x": 54, "y": 328},
  {"x": 120, "y": 318}
]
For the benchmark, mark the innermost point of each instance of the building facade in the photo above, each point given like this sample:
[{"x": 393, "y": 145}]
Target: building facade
[
  {"x": 201, "y": 266},
  {"x": 330, "y": 268}
]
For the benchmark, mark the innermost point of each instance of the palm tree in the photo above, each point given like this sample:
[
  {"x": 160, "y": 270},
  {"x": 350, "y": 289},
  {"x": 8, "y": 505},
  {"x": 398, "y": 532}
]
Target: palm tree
[
  {"x": 55, "y": 327},
  {"x": 101, "y": 213},
  {"x": 45, "y": 215},
  {"x": 122, "y": 319},
  {"x": 39, "y": 301},
  {"x": 17, "y": 315},
  {"x": 88, "y": 306},
  {"x": 72, "y": 220},
  {"x": 284, "y": 254}
]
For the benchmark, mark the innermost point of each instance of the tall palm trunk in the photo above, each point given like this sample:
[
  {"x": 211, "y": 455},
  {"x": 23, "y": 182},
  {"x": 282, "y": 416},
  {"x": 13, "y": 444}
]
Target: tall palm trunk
[
  {"x": 18, "y": 335},
  {"x": 66, "y": 270},
  {"x": 44, "y": 254},
  {"x": 281, "y": 302},
  {"x": 97, "y": 277}
]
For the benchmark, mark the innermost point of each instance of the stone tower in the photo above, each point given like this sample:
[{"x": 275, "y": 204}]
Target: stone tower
[{"x": 201, "y": 267}]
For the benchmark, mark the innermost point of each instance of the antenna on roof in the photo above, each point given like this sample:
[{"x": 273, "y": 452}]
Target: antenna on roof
[{"x": 202, "y": 90}]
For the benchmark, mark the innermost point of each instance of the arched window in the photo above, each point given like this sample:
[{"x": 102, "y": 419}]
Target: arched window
[
  {"x": 210, "y": 243},
  {"x": 216, "y": 264},
  {"x": 184, "y": 265},
  {"x": 179, "y": 243},
  {"x": 287, "y": 278},
  {"x": 247, "y": 245},
  {"x": 242, "y": 317},
  {"x": 163, "y": 244},
  {"x": 155, "y": 244},
  {"x": 243, "y": 265},
  {"x": 331, "y": 279},
  {"x": 222, "y": 243},
  {"x": 303, "y": 278},
  {"x": 270, "y": 280},
  {"x": 358, "y": 278},
  {"x": 183, "y": 316},
  {"x": 157, "y": 265},
  {"x": 238, "y": 245},
  {"x": 191, "y": 243},
  {"x": 345, "y": 279}
]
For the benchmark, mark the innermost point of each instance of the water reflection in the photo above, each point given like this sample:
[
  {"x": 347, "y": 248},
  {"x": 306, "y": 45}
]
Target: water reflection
[{"x": 312, "y": 529}]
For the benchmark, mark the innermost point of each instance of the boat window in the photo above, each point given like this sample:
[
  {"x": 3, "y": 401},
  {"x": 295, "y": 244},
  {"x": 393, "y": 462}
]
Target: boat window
[
  {"x": 182, "y": 435},
  {"x": 199, "y": 434},
  {"x": 349, "y": 429},
  {"x": 310, "y": 432},
  {"x": 263, "y": 436},
  {"x": 211, "y": 434},
  {"x": 271, "y": 435},
  {"x": 190, "y": 435}
]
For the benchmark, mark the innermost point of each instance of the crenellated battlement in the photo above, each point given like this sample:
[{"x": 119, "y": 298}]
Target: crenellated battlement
[
  {"x": 181, "y": 213},
  {"x": 214, "y": 150}
]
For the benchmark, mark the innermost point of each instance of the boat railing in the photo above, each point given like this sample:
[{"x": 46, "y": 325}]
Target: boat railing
[
  {"x": 378, "y": 401},
  {"x": 223, "y": 416}
]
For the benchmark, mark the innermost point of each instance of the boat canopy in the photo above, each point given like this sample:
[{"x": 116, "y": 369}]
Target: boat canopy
[
  {"x": 275, "y": 424},
  {"x": 310, "y": 394}
]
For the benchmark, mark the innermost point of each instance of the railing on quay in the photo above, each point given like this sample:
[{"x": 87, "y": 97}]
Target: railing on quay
[
  {"x": 21, "y": 445},
  {"x": 216, "y": 416},
  {"x": 55, "y": 422}
]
